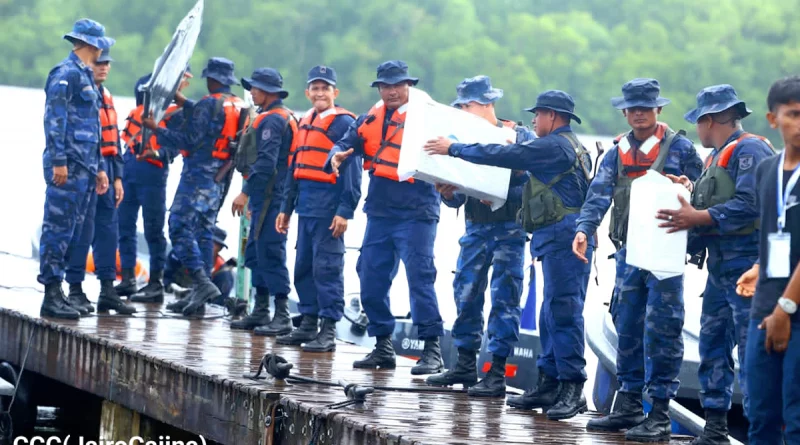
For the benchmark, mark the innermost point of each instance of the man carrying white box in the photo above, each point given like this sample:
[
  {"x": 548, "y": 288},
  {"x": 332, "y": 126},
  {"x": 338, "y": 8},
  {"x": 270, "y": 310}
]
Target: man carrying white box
[
  {"x": 559, "y": 167},
  {"x": 401, "y": 220},
  {"x": 492, "y": 238}
]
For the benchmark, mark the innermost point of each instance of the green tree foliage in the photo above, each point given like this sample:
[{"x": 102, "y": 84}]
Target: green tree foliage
[{"x": 588, "y": 48}]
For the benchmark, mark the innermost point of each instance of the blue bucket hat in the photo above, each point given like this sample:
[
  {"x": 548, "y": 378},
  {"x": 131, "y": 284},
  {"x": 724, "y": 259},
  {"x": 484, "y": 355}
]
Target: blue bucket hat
[
  {"x": 90, "y": 32},
  {"x": 322, "y": 72},
  {"x": 219, "y": 236},
  {"x": 392, "y": 73},
  {"x": 716, "y": 99},
  {"x": 266, "y": 79},
  {"x": 138, "y": 92},
  {"x": 557, "y": 101},
  {"x": 221, "y": 70},
  {"x": 477, "y": 89},
  {"x": 105, "y": 56},
  {"x": 642, "y": 93}
]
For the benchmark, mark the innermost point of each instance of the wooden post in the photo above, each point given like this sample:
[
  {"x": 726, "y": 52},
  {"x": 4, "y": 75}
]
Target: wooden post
[{"x": 118, "y": 422}]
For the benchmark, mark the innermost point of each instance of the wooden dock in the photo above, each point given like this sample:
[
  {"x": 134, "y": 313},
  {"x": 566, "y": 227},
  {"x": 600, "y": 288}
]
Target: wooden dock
[{"x": 189, "y": 374}]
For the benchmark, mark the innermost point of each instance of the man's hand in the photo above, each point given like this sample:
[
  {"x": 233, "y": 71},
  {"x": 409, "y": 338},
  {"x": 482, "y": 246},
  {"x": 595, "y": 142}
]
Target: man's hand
[
  {"x": 746, "y": 284},
  {"x": 60, "y": 175},
  {"x": 337, "y": 159},
  {"x": 239, "y": 203},
  {"x": 149, "y": 153},
  {"x": 446, "y": 190},
  {"x": 487, "y": 203},
  {"x": 119, "y": 193},
  {"x": 438, "y": 146},
  {"x": 282, "y": 223},
  {"x": 579, "y": 245},
  {"x": 684, "y": 218},
  {"x": 149, "y": 123},
  {"x": 101, "y": 183},
  {"x": 682, "y": 180},
  {"x": 338, "y": 225},
  {"x": 779, "y": 331}
]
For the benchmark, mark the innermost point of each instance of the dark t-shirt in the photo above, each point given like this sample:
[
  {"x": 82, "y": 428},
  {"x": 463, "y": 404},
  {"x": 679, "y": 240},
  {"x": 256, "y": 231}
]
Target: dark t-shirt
[{"x": 769, "y": 290}]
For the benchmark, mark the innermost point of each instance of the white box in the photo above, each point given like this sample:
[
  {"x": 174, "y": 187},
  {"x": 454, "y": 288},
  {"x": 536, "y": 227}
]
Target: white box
[
  {"x": 650, "y": 247},
  {"x": 427, "y": 119}
]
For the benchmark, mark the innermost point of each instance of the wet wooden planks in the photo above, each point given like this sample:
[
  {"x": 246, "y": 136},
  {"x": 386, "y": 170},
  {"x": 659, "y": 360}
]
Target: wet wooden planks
[{"x": 189, "y": 374}]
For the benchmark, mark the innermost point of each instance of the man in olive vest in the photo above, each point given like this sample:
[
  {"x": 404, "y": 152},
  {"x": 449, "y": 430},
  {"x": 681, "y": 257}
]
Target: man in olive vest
[
  {"x": 493, "y": 238},
  {"x": 723, "y": 217},
  {"x": 647, "y": 312},
  {"x": 559, "y": 169}
]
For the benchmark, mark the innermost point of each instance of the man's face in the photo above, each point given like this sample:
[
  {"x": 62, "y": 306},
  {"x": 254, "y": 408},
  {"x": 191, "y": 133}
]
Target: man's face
[
  {"x": 321, "y": 94},
  {"x": 259, "y": 96},
  {"x": 101, "y": 70},
  {"x": 704, "y": 125},
  {"x": 640, "y": 118},
  {"x": 394, "y": 96},
  {"x": 543, "y": 121},
  {"x": 786, "y": 119}
]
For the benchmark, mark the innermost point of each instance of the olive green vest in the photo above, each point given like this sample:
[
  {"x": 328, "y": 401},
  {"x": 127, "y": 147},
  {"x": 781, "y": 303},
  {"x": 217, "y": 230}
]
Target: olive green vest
[
  {"x": 541, "y": 206},
  {"x": 618, "y": 227},
  {"x": 716, "y": 186}
]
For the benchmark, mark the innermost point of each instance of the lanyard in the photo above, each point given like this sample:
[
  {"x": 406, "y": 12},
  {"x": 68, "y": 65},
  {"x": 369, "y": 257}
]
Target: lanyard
[{"x": 783, "y": 195}]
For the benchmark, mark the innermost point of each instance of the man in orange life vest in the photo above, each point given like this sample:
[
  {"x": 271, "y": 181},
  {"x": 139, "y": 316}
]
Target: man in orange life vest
[
  {"x": 211, "y": 124},
  {"x": 100, "y": 227},
  {"x": 146, "y": 187},
  {"x": 647, "y": 312},
  {"x": 324, "y": 203},
  {"x": 265, "y": 253},
  {"x": 724, "y": 217},
  {"x": 401, "y": 219}
]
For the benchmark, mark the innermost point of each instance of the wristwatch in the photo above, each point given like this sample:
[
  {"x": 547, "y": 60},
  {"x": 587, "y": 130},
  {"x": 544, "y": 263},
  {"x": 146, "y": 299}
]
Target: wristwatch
[{"x": 788, "y": 306}]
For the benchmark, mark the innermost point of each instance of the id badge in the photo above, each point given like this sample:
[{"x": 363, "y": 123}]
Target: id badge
[{"x": 780, "y": 246}]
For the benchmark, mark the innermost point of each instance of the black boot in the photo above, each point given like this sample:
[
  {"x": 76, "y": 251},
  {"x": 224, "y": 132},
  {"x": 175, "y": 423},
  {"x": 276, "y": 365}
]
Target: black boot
[
  {"x": 431, "y": 360},
  {"x": 716, "y": 429},
  {"x": 77, "y": 299},
  {"x": 542, "y": 396},
  {"x": 465, "y": 372},
  {"x": 281, "y": 323},
  {"x": 178, "y": 305},
  {"x": 381, "y": 357},
  {"x": 326, "y": 339},
  {"x": 626, "y": 413},
  {"x": 657, "y": 427},
  {"x": 306, "y": 332},
  {"x": 110, "y": 300},
  {"x": 202, "y": 291},
  {"x": 127, "y": 286},
  {"x": 259, "y": 316},
  {"x": 55, "y": 303},
  {"x": 494, "y": 383},
  {"x": 570, "y": 402},
  {"x": 153, "y": 292}
]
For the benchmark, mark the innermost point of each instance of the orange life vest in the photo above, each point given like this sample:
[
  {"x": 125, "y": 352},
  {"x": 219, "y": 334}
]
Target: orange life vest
[
  {"x": 218, "y": 263},
  {"x": 132, "y": 134},
  {"x": 311, "y": 145},
  {"x": 232, "y": 107},
  {"x": 636, "y": 162},
  {"x": 727, "y": 151},
  {"x": 109, "y": 132},
  {"x": 381, "y": 156}
]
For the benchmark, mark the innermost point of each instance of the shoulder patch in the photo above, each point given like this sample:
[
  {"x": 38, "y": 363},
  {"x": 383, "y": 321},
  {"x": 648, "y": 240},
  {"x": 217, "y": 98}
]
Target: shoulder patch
[
  {"x": 266, "y": 134},
  {"x": 745, "y": 162}
]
